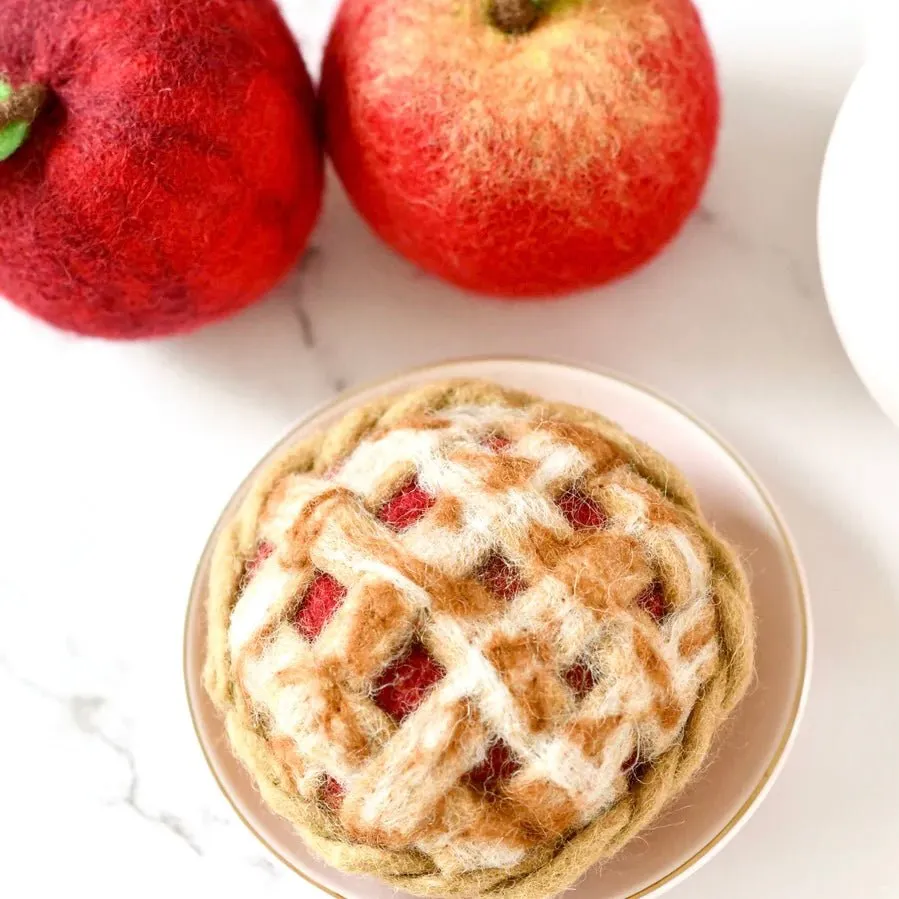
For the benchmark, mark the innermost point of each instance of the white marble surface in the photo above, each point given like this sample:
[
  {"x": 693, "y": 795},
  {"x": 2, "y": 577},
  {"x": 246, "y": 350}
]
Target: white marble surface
[{"x": 117, "y": 459}]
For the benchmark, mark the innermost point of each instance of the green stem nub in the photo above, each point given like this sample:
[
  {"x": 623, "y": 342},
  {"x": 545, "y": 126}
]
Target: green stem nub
[
  {"x": 514, "y": 16},
  {"x": 19, "y": 107}
]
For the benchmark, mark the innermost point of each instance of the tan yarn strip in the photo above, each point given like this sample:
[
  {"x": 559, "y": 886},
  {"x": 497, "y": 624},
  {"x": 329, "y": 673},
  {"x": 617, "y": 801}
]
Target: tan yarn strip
[{"x": 543, "y": 872}]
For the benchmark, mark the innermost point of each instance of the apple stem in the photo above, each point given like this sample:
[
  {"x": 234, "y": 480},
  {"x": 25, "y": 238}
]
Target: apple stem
[
  {"x": 515, "y": 16},
  {"x": 22, "y": 104}
]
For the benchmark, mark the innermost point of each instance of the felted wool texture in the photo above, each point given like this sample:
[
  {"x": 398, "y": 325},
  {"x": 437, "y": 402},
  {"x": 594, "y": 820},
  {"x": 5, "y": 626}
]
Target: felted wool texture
[
  {"x": 521, "y": 165},
  {"x": 472, "y": 642},
  {"x": 174, "y": 173}
]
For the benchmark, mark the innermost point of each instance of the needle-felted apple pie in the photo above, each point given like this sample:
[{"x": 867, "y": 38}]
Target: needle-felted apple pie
[{"x": 471, "y": 642}]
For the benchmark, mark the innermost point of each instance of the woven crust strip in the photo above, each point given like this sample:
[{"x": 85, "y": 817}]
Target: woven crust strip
[{"x": 314, "y": 508}]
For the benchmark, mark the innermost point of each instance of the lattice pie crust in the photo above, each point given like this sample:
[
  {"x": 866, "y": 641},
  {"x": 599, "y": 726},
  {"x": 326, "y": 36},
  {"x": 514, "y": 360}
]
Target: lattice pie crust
[{"x": 462, "y": 628}]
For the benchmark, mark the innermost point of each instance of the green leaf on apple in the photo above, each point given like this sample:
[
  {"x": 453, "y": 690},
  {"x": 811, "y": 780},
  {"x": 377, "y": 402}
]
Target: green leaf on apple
[{"x": 13, "y": 135}]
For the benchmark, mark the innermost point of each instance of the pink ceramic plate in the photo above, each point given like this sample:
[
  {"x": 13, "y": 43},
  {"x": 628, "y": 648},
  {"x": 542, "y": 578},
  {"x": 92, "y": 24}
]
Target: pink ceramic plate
[{"x": 753, "y": 747}]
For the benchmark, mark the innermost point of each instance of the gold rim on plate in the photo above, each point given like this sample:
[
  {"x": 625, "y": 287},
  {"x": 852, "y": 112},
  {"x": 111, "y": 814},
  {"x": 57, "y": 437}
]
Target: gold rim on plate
[{"x": 796, "y": 572}]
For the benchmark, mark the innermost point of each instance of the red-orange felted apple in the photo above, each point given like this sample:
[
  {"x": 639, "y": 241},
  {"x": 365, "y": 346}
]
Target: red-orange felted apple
[
  {"x": 159, "y": 164},
  {"x": 520, "y": 147}
]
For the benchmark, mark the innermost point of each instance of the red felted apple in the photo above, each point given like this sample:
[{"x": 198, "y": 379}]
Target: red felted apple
[
  {"x": 171, "y": 172},
  {"x": 521, "y": 147}
]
